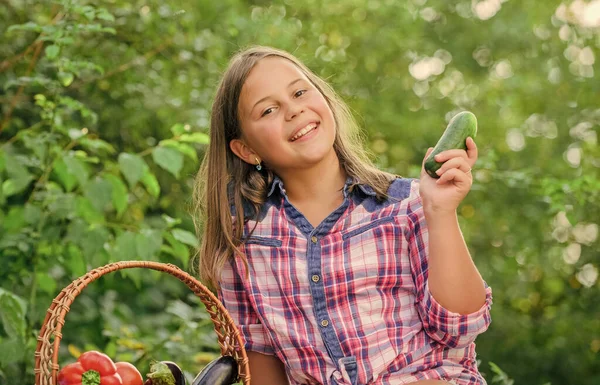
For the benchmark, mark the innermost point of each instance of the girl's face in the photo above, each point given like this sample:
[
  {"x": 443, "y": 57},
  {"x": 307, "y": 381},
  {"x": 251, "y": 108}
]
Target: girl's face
[{"x": 286, "y": 122}]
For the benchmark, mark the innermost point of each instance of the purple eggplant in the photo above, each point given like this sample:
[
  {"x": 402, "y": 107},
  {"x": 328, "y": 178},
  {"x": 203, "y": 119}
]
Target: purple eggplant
[{"x": 220, "y": 371}]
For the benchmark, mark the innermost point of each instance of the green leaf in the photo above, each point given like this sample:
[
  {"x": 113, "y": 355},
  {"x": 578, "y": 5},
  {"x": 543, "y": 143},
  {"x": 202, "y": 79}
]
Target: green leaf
[
  {"x": 177, "y": 129},
  {"x": 11, "y": 351},
  {"x": 147, "y": 243},
  {"x": 185, "y": 237},
  {"x": 14, "y": 166},
  {"x": 61, "y": 172},
  {"x": 32, "y": 214},
  {"x": 104, "y": 14},
  {"x": 132, "y": 166},
  {"x": 92, "y": 241},
  {"x": 98, "y": 145},
  {"x": 177, "y": 249},
  {"x": 135, "y": 275},
  {"x": 111, "y": 348},
  {"x": 99, "y": 193},
  {"x": 120, "y": 194},
  {"x": 170, "y": 221},
  {"x": 75, "y": 260},
  {"x": 183, "y": 148},
  {"x": 88, "y": 11},
  {"x": 86, "y": 157},
  {"x": 29, "y": 26},
  {"x": 63, "y": 41},
  {"x": 500, "y": 375},
  {"x": 62, "y": 206},
  {"x": 52, "y": 51},
  {"x": 65, "y": 78},
  {"x": 15, "y": 219},
  {"x": 125, "y": 246},
  {"x": 19, "y": 176},
  {"x": 196, "y": 137},
  {"x": 182, "y": 253},
  {"x": 38, "y": 80},
  {"x": 12, "y": 316},
  {"x": 22, "y": 303},
  {"x": 15, "y": 186},
  {"x": 77, "y": 168},
  {"x": 88, "y": 211},
  {"x": 151, "y": 184},
  {"x": 169, "y": 159},
  {"x": 38, "y": 143},
  {"x": 46, "y": 283}
]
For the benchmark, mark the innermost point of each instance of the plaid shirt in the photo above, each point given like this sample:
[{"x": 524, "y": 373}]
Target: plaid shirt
[{"x": 348, "y": 302}]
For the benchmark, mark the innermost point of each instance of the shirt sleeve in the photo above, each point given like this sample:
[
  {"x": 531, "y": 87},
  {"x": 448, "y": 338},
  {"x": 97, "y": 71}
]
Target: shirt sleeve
[
  {"x": 234, "y": 297},
  {"x": 449, "y": 328}
]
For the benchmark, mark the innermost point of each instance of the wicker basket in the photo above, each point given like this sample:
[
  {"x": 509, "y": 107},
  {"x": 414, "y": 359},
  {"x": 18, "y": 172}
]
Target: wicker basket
[{"x": 46, "y": 355}]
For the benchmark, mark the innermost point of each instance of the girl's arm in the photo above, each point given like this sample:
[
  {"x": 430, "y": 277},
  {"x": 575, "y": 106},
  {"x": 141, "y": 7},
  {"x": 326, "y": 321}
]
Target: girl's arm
[
  {"x": 266, "y": 370},
  {"x": 453, "y": 278}
]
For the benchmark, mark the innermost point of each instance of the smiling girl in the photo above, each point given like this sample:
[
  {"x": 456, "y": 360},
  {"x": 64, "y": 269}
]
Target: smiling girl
[{"x": 335, "y": 272}]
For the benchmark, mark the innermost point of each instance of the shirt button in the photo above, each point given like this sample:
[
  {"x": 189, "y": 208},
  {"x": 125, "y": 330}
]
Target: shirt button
[
  {"x": 314, "y": 239},
  {"x": 315, "y": 278},
  {"x": 324, "y": 323}
]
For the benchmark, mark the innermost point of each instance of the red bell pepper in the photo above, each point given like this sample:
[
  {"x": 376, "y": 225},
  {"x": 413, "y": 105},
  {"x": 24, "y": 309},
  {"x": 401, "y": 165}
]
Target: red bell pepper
[{"x": 91, "y": 368}]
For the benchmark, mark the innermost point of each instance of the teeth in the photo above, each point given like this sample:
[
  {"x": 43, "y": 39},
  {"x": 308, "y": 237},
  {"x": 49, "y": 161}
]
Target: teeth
[{"x": 304, "y": 131}]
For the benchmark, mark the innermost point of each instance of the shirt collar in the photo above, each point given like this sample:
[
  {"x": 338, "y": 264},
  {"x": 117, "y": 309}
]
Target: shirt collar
[
  {"x": 368, "y": 190},
  {"x": 277, "y": 184}
]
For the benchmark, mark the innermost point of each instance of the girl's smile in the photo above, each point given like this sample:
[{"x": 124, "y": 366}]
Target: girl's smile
[{"x": 305, "y": 132}]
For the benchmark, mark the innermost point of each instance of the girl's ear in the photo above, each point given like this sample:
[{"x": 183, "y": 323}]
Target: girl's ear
[{"x": 242, "y": 151}]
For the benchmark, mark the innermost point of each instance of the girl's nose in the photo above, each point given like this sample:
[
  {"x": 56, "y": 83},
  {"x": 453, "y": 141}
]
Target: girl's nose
[{"x": 293, "y": 111}]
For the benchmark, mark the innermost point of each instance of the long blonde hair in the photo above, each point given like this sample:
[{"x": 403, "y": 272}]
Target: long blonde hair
[{"x": 224, "y": 179}]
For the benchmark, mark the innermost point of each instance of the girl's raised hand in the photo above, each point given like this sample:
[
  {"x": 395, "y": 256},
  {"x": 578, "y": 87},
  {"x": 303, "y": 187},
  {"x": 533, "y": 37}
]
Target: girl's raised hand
[{"x": 443, "y": 195}]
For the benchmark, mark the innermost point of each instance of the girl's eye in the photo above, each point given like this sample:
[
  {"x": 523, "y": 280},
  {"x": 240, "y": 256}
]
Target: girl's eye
[
  {"x": 299, "y": 93},
  {"x": 267, "y": 111}
]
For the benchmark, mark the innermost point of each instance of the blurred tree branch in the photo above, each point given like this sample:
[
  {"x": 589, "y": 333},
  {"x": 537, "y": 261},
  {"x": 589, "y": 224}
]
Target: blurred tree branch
[
  {"x": 6, "y": 64},
  {"x": 36, "y": 46},
  {"x": 16, "y": 97},
  {"x": 125, "y": 66}
]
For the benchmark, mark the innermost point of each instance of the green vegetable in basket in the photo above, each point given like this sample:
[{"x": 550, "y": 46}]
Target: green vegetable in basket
[
  {"x": 160, "y": 374},
  {"x": 176, "y": 371}
]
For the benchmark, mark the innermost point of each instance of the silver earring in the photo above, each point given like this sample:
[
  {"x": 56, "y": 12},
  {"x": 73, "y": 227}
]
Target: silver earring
[{"x": 258, "y": 165}]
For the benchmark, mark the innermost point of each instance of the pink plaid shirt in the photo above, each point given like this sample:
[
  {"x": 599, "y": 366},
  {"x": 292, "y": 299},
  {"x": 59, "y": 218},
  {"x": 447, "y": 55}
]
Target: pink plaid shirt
[{"x": 348, "y": 302}]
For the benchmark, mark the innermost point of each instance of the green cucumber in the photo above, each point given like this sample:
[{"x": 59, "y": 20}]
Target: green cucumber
[{"x": 461, "y": 126}]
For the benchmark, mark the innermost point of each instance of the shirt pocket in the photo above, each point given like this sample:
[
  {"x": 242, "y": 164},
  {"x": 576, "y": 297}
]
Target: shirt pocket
[
  {"x": 369, "y": 254},
  {"x": 264, "y": 241},
  {"x": 367, "y": 227}
]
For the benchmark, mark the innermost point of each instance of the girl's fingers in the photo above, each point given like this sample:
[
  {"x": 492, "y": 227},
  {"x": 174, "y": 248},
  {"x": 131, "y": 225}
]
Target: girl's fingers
[
  {"x": 449, "y": 154},
  {"x": 456, "y": 163},
  {"x": 470, "y": 154},
  {"x": 454, "y": 175},
  {"x": 472, "y": 151}
]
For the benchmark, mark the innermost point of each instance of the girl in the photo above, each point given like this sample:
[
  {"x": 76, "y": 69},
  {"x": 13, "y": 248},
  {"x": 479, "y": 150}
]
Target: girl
[{"x": 334, "y": 272}]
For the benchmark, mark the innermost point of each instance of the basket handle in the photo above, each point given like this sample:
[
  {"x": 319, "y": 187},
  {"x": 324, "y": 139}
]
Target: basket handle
[{"x": 46, "y": 354}]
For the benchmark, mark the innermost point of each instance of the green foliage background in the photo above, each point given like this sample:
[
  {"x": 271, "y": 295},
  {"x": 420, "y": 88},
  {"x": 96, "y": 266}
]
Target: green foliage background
[{"x": 104, "y": 114}]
